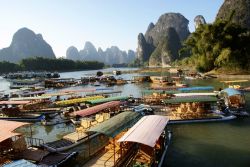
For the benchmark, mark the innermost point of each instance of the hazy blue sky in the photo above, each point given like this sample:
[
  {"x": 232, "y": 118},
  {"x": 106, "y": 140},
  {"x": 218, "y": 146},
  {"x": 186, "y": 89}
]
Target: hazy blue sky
[{"x": 64, "y": 23}]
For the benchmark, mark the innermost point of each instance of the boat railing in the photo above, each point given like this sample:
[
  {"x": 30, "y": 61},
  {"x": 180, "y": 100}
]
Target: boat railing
[
  {"x": 128, "y": 156},
  {"x": 120, "y": 160},
  {"x": 34, "y": 141},
  {"x": 112, "y": 156}
]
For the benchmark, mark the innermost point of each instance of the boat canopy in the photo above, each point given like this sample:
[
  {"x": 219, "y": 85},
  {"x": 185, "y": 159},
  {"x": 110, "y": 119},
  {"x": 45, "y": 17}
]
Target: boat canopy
[
  {"x": 34, "y": 93},
  {"x": 116, "y": 124},
  {"x": 194, "y": 94},
  {"x": 7, "y": 127},
  {"x": 146, "y": 131},
  {"x": 234, "y": 81},
  {"x": 198, "y": 88},
  {"x": 231, "y": 91},
  {"x": 101, "y": 89},
  {"x": 30, "y": 98},
  {"x": 25, "y": 81},
  {"x": 6, "y": 135},
  {"x": 103, "y": 100},
  {"x": 21, "y": 163},
  {"x": 147, "y": 91},
  {"x": 77, "y": 100},
  {"x": 174, "y": 88},
  {"x": 190, "y": 99},
  {"x": 24, "y": 89},
  {"x": 78, "y": 90},
  {"x": 58, "y": 94},
  {"x": 14, "y": 102},
  {"x": 96, "y": 109},
  {"x": 104, "y": 93}
]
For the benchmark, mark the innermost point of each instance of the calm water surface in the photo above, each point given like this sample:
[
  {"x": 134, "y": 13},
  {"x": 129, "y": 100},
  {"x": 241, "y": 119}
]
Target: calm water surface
[{"x": 194, "y": 145}]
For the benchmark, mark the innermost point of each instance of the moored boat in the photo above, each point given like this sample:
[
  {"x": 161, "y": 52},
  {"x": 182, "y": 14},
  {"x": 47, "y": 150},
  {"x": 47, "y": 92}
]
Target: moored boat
[
  {"x": 191, "y": 109},
  {"x": 111, "y": 130},
  {"x": 27, "y": 83},
  {"x": 117, "y": 72},
  {"x": 236, "y": 84},
  {"x": 16, "y": 146},
  {"x": 10, "y": 110},
  {"x": 145, "y": 143},
  {"x": 159, "y": 80},
  {"x": 234, "y": 101}
]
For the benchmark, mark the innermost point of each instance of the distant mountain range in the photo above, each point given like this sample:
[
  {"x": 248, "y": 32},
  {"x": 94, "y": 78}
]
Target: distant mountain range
[
  {"x": 110, "y": 56},
  {"x": 158, "y": 46},
  {"x": 25, "y": 44}
]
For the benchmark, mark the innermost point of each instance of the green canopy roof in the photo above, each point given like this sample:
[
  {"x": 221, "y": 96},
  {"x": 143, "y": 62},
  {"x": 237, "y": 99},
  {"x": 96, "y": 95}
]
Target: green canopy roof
[
  {"x": 104, "y": 100},
  {"x": 190, "y": 99},
  {"x": 116, "y": 124},
  {"x": 148, "y": 91}
]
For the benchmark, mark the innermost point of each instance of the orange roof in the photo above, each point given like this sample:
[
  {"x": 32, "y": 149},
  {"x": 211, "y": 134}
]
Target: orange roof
[
  {"x": 14, "y": 102},
  {"x": 7, "y": 135},
  {"x": 7, "y": 127},
  {"x": 98, "y": 108}
]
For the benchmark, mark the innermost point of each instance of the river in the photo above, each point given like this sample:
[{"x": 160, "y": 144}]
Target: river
[{"x": 193, "y": 145}]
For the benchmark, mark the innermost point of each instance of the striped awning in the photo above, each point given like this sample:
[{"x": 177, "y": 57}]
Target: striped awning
[
  {"x": 77, "y": 100},
  {"x": 14, "y": 102},
  {"x": 116, "y": 98},
  {"x": 96, "y": 109}
]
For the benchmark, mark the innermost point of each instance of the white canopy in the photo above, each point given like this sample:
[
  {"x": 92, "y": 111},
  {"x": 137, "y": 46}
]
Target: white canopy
[{"x": 146, "y": 131}]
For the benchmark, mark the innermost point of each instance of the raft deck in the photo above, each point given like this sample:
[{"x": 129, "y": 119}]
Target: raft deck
[
  {"x": 58, "y": 144},
  {"x": 106, "y": 158}
]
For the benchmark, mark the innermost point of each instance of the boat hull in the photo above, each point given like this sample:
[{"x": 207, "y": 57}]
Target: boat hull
[
  {"x": 219, "y": 119},
  {"x": 23, "y": 119}
]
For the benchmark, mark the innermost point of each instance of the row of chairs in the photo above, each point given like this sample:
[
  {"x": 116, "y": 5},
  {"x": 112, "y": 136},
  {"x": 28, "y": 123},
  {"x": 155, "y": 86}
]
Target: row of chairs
[{"x": 99, "y": 118}]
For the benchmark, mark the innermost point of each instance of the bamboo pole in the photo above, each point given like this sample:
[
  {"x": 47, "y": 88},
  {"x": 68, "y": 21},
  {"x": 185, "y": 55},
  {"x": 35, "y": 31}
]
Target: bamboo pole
[{"x": 114, "y": 149}]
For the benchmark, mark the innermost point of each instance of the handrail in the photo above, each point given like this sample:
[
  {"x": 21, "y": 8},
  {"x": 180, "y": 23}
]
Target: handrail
[
  {"x": 129, "y": 154},
  {"x": 111, "y": 157},
  {"x": 34, "y": 141},
  {"x": 128, "y": 150}
]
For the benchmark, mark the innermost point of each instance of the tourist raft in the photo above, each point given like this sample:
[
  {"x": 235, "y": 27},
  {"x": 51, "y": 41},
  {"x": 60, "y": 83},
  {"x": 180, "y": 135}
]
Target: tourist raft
[{"x": 110, "y": 128}]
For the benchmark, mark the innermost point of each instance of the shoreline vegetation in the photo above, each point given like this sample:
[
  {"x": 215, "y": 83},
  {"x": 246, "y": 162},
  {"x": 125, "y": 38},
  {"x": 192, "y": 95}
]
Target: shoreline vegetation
[
  {"x": 217, "y": 74},
  {"x": 221, "y": 47},
  {"x": 65, "y": 65},
  {"x": 45, "y": 64}
]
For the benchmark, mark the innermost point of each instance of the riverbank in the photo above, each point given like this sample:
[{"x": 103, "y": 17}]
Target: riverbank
[{"x": 216, "y": 74}]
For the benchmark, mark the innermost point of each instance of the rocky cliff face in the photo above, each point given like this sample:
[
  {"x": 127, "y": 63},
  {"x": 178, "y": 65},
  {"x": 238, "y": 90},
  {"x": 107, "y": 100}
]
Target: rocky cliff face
[
  {"x": 199, "y": 20},
  {"x": 241, "y": 9},
  {"x": 110, "y": 56},
  {"x": 89, "y": 53},
  {"x": 131, "y": 56},
  {"x": 175, "y": 20},
  {"x": 148, "y": 43},
  {"x": 144, "y": 48},
  {"x": 72, "y": 53},
  {"x": 25, "y": 44},
  {"x": 167, "y": 49}
]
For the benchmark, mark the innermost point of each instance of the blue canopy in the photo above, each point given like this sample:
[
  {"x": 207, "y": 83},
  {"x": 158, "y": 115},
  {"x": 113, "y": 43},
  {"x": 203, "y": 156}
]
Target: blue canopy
[
  {"x": 231, "y": 91},
  {"x": 196, "y": 88},
  {"x": 99, "y": 89}
]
